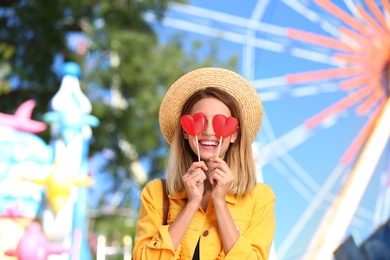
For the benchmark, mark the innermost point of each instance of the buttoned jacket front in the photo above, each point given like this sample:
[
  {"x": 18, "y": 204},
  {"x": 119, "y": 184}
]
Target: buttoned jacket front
[{"x": 253, "y": 215}]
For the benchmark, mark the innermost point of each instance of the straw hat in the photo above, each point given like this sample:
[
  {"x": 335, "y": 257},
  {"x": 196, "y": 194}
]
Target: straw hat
[{"x": 223, "y": 79}]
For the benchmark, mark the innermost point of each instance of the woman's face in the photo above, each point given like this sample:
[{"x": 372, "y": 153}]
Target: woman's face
[{"x": 208, "y": 142}]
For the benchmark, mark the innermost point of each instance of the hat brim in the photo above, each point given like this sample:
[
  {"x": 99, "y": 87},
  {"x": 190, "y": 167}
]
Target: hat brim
[{"x": 223, "y": 79}]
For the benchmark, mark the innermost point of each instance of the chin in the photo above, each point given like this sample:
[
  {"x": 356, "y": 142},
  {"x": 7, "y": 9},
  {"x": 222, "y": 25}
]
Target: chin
[{"x": 208, "y": 157}]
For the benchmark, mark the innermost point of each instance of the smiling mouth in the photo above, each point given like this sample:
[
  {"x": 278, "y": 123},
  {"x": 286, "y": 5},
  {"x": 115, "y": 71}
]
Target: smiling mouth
[{"x": 210, "y": 144}]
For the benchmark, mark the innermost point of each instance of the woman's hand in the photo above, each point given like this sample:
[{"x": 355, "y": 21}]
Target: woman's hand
[
  {"x": 221, "y": 177},
  {"x": 194, "y": 182}
]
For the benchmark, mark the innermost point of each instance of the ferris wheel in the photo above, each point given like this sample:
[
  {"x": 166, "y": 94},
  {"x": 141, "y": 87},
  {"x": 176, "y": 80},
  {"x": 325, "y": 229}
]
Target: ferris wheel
[{"x": 322, "y": 70}]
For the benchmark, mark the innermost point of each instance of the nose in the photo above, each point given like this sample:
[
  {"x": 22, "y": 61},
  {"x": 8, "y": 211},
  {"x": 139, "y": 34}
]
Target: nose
[{"x": 209, "y": 130}]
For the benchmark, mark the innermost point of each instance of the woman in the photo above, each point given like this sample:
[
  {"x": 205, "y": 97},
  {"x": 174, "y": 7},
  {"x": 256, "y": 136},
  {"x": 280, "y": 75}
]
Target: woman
[{"x": 217, "y": 210}]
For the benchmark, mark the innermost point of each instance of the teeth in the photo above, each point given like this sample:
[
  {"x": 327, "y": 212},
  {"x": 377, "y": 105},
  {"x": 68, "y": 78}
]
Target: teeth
[{"x": 208, "y": 143}]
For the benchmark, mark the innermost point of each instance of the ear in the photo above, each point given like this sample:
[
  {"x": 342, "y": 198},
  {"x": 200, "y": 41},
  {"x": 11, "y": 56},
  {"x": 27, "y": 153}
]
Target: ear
[
  {"x": 233, "y": 137},
  {"x": 185, "y": 134}
]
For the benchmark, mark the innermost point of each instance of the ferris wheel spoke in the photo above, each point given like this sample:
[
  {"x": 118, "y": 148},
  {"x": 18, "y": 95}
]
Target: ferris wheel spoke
[
  {"x": 371, "y": 22},
  {"x": 325, "y": 74},
  {"x": 358, "y": 223},
  {"x": 303, "y": 10},
  {"x": 373, "y": 100},
  {"x": 352, "y": 7},
  {"x": 219, "y": 33},
  {"x": 299, "y": 187},
  {"x": 376, "y": 12},
  {"x": 386, "y": 6},
  {"x": 226, "y": 19},
  {"x": 354, "y": 38},
  {"x": 381, "y": 213},
  {"x": 364, "y": 213},
  {"x": 280, "y": 148},
  {"x": 355, "y": 82},
  {"x": 329, "y": 42},
  {"x": 276, "y": 88},
  {"x": 312, "y": 90},
  {"x": 361, "y": 137},
  {"x": 277, "y": 147},
  {"x": 258, "y": 12},
  {"x": 268, "y": 83},
  {"x": 386, "y": 208},
  {"x": 339, "y": 106},
  {"x": 344, "y": 16},
  {"x": 249, "y": 48},
  {"x": 252, "y": 24},
  {"x": 297, "y": 169},
  {"x": 386, "y": 203},
  {"x": 285, "y": 143},
  {"x": 313, "y": 56},
  {"x": 312, "y": 16}
]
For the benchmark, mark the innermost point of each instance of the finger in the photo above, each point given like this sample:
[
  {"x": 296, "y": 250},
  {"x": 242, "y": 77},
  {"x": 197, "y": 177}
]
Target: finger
[
  {"x": 217, "y": 160},
  {"x": 190, "y": 172},
  {"x": 193, "y": 172},
  {"x": 201, "y": 165},
  {"x": 195, "y": 166},
  {"x": 194, "y": 177},
  {"x": 218, "y": 163},
  {"x": 221, "y": 171},
  {"x": 214, "y": 176},
  {"x": 220, "y": 177}
]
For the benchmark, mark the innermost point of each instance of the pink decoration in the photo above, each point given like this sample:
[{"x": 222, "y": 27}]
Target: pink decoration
[
  {"x": 34, "y": 245},
  {"x": 21, "y": 120},
  {"x": 12, "y": 212}
]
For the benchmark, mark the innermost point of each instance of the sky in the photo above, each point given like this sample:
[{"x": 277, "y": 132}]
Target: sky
[{"x": 297, "y": 161}]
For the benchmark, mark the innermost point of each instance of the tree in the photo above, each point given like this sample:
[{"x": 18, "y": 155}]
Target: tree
[
  {"x": 132, "y": 66},
  {"x": 126, "y": 70}
]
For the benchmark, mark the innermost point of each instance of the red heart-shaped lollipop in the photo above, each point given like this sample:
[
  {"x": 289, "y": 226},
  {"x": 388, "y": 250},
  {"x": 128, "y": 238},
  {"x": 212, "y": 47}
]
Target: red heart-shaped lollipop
[
  {"x": 193, "y": 125},
  {"x": 224, "y": 126}
]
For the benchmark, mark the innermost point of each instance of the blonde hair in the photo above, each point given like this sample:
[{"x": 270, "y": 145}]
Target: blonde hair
[{"x": 239, "y": 155}]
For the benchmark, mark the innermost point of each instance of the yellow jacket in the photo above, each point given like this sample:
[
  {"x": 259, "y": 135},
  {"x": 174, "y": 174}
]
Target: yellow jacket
[{"x": 253, "y": 215}]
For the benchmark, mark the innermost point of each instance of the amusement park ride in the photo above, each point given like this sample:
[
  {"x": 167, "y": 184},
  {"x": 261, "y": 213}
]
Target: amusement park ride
[
  {"x": 42, "y": 202},
  {"x": 346, "y": 44}
]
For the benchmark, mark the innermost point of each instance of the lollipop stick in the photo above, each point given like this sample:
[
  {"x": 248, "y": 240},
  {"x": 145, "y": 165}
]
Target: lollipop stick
[
  {"x": 219, "y": 146},
  {"x": 197, "y": 147}
]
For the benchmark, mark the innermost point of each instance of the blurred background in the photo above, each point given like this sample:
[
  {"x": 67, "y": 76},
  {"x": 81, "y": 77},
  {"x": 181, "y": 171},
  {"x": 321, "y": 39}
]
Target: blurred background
[{"x": 80, "y": 88}]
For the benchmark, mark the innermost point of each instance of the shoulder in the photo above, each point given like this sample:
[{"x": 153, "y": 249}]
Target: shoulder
[
  {"x": 263, "y": 192},
  {"x": 152, "y": 189},
  {"x": 155, "y": 183}
]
